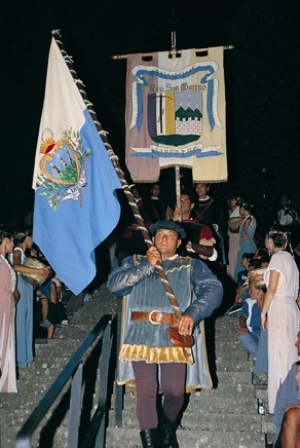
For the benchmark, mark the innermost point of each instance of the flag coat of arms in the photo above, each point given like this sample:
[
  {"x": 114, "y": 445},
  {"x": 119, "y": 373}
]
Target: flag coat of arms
[
  {"x": 76, "y": 206},
  {"x": 175, "y": 115}
]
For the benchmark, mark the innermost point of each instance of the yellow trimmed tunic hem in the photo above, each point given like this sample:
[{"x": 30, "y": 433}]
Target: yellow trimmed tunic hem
[{"x": 156, "y": 355}]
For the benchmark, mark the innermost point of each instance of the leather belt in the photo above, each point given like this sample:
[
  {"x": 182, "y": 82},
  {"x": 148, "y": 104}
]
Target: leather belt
[{"x": 155, "y": 317}]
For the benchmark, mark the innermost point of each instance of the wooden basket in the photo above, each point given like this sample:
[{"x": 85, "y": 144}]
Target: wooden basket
[
  {"x": 34, "y": 279},
  {"x": 231, "y": 221}
]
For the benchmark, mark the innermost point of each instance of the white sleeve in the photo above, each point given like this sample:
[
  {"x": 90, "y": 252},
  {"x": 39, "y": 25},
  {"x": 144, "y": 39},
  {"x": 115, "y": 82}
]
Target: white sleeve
[{"x": 214, "y": 255}]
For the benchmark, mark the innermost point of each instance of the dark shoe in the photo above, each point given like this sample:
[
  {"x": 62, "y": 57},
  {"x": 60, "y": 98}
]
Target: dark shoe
[
  {"x": 150, "y": 438},
  {"x": 168, "y": 437}
]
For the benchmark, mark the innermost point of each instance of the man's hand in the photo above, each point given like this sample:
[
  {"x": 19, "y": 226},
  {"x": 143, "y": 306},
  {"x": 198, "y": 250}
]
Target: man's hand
[
  {"x": 177, "y": 216},
  {"x": 153, "y": 256},
  {"x": 186, "y": 325},
  {"x": 242, "y": 331}
]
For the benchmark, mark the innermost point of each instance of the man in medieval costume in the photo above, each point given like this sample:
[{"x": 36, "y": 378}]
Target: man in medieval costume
[
  {"x": 211, "y": 212},
  {"x": 147, "y": 315},
  {"x": 200, "y": 239}
]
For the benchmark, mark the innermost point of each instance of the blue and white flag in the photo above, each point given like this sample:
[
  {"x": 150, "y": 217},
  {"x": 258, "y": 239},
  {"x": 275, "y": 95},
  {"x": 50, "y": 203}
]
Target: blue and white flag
[{"x": 76, "y": 206}]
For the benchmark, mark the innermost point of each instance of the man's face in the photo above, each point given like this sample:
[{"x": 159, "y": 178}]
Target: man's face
[
  {"x": 186, "y": 204},
  {"x": 202, "y": 190},
  {"x": 297, "y": 344},
  {"x": 166, "y": 242},
  {"x": 156, "y": 190},
  {"x": 135, "y": 192}
]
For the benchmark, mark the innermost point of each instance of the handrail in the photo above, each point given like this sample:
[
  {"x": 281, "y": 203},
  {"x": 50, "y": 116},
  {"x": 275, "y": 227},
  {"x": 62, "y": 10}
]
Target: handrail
[
  {"x": 31, "y": 424},
  {"x": 119, "y": 390}
]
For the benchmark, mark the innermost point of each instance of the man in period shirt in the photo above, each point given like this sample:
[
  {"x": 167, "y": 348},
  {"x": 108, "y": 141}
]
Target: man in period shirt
[
  {"x": 200, "y": 238},
  {"x": 147, "y": 315},
  {"x": 210, "y": 211},
  {"x": 157, "y": 206}
]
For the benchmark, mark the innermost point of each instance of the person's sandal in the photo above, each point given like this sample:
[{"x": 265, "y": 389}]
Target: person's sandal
[{"x": 45, "y": 323}]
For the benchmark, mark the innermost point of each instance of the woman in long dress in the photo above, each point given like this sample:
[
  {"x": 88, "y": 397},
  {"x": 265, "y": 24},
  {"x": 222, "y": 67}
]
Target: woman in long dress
[
  {"x": 24, "y": 312},
  {"x": 8, "y": 382},
  {"x": 234, "y": 223},
  {"x": 246, "y": 234},
  {"x": 280, "y": 314}
]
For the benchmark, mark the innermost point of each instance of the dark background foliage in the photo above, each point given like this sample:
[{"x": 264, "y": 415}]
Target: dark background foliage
[{"x": 262, "y": 82}]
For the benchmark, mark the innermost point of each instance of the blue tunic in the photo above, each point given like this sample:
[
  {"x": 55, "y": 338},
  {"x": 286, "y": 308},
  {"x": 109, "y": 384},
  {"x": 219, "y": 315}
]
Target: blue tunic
[
  {"x": 198, "y": 293},
  {"x": 149, "y": 295}
]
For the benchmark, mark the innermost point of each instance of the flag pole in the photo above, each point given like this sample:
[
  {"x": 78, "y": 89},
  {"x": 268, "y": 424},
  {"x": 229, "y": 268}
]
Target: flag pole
[
  {"x": 118, "y": 57},
  {"x": 174, "y": 53},
  {"x": 115, "y": 161}
]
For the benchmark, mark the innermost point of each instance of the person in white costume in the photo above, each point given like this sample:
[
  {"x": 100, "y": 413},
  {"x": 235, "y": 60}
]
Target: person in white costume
[{"x": 280, "y": 314}]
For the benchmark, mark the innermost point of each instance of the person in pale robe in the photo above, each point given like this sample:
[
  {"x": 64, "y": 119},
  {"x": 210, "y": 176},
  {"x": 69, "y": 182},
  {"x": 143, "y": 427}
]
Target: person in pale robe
[
  {"x": 234, "y": 223},
  {"x": 8, "y": 298}
]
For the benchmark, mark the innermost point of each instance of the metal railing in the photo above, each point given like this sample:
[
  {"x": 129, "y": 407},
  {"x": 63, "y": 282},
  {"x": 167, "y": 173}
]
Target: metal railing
[
  {"x": 96, "y": 427},
  {"x": 119, "y": 390}
]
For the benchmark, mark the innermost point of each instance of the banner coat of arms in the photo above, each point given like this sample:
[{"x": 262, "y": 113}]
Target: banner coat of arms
[{"x": 175, "y": 115}]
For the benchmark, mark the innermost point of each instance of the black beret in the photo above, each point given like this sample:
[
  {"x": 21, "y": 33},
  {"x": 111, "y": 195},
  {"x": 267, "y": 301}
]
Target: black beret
[{"x": 169, "y": 225}]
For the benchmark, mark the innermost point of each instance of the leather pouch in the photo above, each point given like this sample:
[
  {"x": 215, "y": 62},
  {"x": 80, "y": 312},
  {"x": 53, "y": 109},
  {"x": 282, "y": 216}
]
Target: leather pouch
[{"x": 180, "y": 340}]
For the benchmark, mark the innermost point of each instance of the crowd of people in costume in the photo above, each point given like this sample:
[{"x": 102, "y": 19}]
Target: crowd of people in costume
[
  {"x": 262, "y": 265},
  {"x": 201, "y": 239},
  {"x": 33, "y": 300}
]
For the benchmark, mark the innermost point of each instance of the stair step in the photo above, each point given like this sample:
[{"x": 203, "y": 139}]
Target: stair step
[
  {"x": 268, "y": 425},
  {"x": 262, "y": 393},
  {"x": 16, "y": 402},
  {"x": 50, "y": 363},
  {"x": 231, "y": 355},
  {"x": 233, "y": 365},
  {"x": 40, "y": 373},
  {"x": 229, "y": 391},
  {"x": 58, "y": 351},
  {"x": 206, "y": 404},
  {"x": 9, "y": 433},
  {"x": 125, "y": 438},
  {"x": 205, "y": 422},
  {"x": 234, "y": 377}
]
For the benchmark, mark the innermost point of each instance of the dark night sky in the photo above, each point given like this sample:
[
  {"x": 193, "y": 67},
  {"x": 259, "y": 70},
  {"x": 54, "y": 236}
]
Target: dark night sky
[{"x": 262, "y": 80}]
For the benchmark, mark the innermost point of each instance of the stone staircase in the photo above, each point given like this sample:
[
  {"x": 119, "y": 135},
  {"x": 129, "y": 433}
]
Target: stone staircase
[
  {"x": 223, "y": 417},
  {"x": 227, "y": 416},
  {"x": 50, "y": 359}
]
